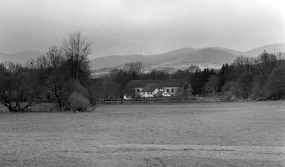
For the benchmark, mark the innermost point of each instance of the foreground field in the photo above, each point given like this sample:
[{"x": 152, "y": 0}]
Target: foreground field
[{"x": 202, "y": 134}]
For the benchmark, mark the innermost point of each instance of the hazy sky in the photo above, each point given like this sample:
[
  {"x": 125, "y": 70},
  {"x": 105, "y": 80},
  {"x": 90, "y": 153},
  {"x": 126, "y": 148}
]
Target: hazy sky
[{"x": 120, "y": 27}]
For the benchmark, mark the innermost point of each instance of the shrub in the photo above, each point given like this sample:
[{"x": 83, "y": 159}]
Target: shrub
[
  {"x": 78, "y": 102},
  {"x": 228, "y": 97}
]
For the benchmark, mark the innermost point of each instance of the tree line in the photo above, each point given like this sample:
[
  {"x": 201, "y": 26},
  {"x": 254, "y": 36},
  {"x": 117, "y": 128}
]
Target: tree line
[
  {"x": 255, "y": 78},
  {"x": 262, "y": 77}
]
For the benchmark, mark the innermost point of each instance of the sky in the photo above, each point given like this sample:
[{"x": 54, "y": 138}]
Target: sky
[{"x": 123, "y": 27}]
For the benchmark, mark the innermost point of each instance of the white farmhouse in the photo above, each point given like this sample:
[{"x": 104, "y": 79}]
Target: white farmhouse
[{"x": 151, "y": 88}]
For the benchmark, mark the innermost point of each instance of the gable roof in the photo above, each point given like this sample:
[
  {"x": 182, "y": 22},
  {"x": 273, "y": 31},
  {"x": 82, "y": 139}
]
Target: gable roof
[
  {"x": 150, "y": 87},
  {"x": 160, "y": 83}
]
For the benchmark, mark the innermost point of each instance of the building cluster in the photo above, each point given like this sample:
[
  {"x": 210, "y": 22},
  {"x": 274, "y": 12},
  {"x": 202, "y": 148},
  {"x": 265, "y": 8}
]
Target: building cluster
[{"x": 157, "y": 88}]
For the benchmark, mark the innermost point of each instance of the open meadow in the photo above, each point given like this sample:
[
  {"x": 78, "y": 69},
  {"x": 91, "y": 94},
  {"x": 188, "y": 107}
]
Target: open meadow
[{"x": 192, "y": 134}]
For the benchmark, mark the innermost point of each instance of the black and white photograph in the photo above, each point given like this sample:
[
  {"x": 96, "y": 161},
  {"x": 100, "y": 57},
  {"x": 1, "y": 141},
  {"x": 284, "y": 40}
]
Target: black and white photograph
[{"x": 142, "y": 83}]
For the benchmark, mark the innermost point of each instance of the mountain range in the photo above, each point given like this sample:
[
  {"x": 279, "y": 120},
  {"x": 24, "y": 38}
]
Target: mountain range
[{"x": 212, "y": 57}]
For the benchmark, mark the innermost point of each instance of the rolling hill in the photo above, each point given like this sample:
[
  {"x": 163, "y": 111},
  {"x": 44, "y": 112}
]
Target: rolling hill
[
  {"x": 118, "y": 61},
  {"x": 205, "y": 58},
  {"x": 212, "y": 57},
  {"x": 170, "y": 56},
  {"x": 273, "y": 48},
  {"x": 174, "y": 59}
]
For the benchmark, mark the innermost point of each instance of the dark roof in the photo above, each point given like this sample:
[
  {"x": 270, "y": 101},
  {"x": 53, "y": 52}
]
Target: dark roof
[
  {"x": 150, "y": 87},
  {"x": 160, "y": 83}
]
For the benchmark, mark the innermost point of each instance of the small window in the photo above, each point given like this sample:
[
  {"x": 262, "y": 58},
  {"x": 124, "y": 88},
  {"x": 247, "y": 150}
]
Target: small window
[
  {"x": 167, "y": 90},
  {"x": 179, "y": 90},
  {"x": 172, "y": 90}
]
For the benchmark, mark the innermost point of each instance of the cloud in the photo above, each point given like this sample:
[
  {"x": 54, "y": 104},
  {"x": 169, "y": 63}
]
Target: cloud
[{"x": 144, "y": 27}]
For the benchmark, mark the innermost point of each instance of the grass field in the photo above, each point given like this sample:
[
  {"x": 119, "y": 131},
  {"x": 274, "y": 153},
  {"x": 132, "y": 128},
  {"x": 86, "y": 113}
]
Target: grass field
[{"x": 198, "y": 134}]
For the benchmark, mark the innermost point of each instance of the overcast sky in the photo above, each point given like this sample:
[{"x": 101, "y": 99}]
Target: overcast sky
[{"x": 121, "y": 27}]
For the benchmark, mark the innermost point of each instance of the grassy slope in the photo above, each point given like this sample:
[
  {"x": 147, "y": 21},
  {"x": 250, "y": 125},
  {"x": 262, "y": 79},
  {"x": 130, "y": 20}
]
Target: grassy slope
[{"x": 218, "y": 134}]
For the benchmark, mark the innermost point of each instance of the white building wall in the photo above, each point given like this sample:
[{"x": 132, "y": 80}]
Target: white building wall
[
  {"x": 147, "y": 94},
  {"x": 172, "y": 91}
]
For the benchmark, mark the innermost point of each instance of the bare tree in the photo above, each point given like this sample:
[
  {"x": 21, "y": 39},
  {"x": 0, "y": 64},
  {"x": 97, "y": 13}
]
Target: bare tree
[
  {"x": 76, "y": 49},
  {"x": 193, "y": 68},
  {"x": 241, "y": 61},
  {"x": 267, "y": 62},
  {"x": 54, "y": 58},
  {"x": 134, "y": 67},
  {"x": 212, "y": 85},
  {"x": 55, "y": 78},
  {"x": 19, "y": 87}
]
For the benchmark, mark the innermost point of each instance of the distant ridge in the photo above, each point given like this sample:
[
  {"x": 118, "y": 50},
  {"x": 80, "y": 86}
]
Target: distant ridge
[
  {"x": 212, "y": 57},
  {"x": 112, "y": 61},
  {"x": 171, "y": 55},
  {"x": 172, "y": 59},
  {"x": 20, "y": 57},
  {"x": 237, "y": 53},
  {"x": 272, "y": 48},
  {"x": 205, "y": 58}
]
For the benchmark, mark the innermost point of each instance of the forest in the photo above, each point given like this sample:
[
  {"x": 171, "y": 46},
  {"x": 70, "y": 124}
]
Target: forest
[{"x": 62, "y": 76}]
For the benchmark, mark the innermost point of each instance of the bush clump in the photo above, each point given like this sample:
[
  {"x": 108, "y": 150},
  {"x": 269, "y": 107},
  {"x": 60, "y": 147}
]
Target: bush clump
[{"x": 78, "y": 102}]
